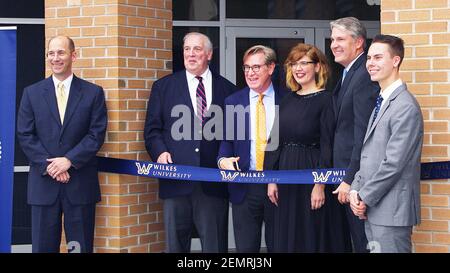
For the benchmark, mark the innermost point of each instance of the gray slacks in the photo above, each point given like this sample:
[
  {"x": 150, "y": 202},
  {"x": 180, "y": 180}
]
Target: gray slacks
[{"x": 388, "y": 239}]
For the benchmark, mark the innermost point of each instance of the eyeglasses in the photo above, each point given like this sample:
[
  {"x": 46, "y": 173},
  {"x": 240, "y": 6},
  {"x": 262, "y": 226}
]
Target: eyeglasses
[
  {"x": 255, "y": 68},
  {"x": 59, "y": 53},
  {"x": 302, "y": 64}
]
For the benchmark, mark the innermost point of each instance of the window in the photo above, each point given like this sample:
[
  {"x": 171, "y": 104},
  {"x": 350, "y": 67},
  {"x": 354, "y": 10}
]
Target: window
[
  {"x": 302, "y": 9},
  {"x": 22, "y": 9},
  {"x": 196, "y": 10}
]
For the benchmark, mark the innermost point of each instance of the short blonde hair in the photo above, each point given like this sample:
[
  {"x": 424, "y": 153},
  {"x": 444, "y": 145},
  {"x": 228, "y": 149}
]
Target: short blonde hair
[{"x": 296, "y": 53}]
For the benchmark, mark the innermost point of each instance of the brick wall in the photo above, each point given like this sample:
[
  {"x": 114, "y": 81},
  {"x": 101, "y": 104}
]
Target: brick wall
[
  {"x": 425, "y": 27},
  {"x": 124, "y": 46}
]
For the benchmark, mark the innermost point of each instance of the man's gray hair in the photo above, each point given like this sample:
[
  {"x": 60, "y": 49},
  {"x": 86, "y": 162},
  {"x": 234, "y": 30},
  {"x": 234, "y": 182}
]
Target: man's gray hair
[
  {"x": 208, "y": 44},
  {"x": 352, "y": 25},
  {"x": 269, "y": 54}
]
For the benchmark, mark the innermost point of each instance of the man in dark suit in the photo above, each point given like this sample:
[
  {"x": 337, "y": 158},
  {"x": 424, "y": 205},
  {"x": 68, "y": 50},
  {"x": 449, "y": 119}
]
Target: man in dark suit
[
  {"x": 61, "y": 126},
  {"x": 354, "y": 98},
  {"x": 250, "y": 203},
  {"x": 194, "y": 93}
]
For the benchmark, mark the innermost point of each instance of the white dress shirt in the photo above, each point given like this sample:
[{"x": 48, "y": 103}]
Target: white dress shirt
[{"x": 386, "y": 93}]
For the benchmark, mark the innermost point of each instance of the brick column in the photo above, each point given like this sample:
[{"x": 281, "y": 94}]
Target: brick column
[
  {"x": 124, "y": 46},
  {"x": 425, "y": 27}
]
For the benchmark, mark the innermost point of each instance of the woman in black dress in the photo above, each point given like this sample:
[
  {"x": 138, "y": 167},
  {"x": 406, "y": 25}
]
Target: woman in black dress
[{"x": 308, "y": 217}]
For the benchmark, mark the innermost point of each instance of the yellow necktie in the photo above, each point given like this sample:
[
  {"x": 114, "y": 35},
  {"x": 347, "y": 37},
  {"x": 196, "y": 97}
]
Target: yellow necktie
[
  {"x": 62, "y": 101},
  {"x": 261, "y": 137}
]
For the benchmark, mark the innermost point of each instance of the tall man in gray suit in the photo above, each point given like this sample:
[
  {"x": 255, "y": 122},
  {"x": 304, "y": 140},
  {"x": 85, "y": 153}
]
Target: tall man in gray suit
[
  {"x": 386, "y": 189},
  {"x": 353, "y": 100}
]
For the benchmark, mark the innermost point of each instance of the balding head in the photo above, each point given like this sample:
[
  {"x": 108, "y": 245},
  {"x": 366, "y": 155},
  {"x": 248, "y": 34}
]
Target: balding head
[{"x": 60, "y": 56}]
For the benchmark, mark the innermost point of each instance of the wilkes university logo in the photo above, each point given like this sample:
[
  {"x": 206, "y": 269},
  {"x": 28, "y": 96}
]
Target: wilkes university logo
[
  {"x": 230, "y": 176},
  {"x": 144, "y": 168},
  {"x": 322, "y": 177}
]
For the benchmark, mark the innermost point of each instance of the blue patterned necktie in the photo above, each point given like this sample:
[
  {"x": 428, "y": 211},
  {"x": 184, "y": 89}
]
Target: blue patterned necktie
[
  {"x": 377, "y": 107},
  {"x": 201, "y": 99}
]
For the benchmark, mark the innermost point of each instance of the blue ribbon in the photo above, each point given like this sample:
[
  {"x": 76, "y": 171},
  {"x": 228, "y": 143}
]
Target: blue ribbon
[
  {"x": 435, "y": 170},
  {"x": 432, "y": 170},
  {"x": 191, "y": 173}
]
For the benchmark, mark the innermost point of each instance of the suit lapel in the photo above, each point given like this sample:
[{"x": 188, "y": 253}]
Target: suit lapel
[
  {"x": 50, "y": 97},
  {"x": 247, "y": 125},
  {"x": 335, "y": 98},
  {"x": 383, "y": 110},
  {"x": 216, "y": 93},
  {"x": 215, "y": 90},
  {"x": 75, "y": 96},
  {"x": 344, "y": 87},
  {"x": 339, "y": 97}
]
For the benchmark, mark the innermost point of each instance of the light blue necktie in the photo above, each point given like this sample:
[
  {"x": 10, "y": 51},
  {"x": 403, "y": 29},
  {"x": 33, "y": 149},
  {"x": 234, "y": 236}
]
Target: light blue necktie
[{"x": 344, "y": 73}]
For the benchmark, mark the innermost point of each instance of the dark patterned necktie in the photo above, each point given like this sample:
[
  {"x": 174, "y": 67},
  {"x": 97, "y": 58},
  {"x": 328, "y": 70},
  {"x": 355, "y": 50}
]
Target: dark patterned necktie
[
  {"x": 377, "y": 107},
  {"x": 201, "y": 99}
]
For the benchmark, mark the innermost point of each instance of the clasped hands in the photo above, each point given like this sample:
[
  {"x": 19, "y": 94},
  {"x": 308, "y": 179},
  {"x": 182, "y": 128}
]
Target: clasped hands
[
  {"x": 346, "y": 196},
  {"x": 357, "y": 205},
  {"x": 58, "y": 169}
]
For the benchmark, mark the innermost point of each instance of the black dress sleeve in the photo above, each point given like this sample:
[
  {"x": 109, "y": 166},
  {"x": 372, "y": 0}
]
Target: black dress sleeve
[{"x": 326, "y": 133}]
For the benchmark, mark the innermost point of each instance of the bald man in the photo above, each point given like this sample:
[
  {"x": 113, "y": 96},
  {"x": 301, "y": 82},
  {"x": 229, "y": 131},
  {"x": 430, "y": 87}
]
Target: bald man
[{"x": 61, "y": 126}]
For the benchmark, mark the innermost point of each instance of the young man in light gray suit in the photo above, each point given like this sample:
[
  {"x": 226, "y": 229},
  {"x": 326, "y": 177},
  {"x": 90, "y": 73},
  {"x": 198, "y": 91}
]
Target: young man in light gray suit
[{"x": 386, "y": 189}]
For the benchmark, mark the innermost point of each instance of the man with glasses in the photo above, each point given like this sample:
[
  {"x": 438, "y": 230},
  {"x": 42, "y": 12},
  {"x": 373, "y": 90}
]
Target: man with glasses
[
  {"x": 61, "y": 126},
  {"x": 245, "y": 150}
]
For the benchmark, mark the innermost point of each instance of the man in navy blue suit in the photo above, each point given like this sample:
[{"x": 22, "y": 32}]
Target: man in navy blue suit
[
  {"x": 250, "y": 203},
  {"x": 61, "y": 126},
  {"x": 353, "y": 100},
  {"x": 195, "y": 92}
]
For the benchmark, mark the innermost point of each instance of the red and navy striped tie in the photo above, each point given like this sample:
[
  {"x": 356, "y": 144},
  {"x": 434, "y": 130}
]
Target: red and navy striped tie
[{"x": 201, "y": 99}]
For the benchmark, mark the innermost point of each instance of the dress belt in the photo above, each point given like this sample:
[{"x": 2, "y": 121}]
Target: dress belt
[{"x": 312, "y": 145}]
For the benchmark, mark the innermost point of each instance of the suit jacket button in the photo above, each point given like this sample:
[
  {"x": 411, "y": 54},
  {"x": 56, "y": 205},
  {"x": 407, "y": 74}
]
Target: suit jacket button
[{"x": 196, "y": 150}]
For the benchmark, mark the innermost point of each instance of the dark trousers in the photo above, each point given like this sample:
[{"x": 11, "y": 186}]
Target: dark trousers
[
  {"x": 209, "y": 216},
  {"x": 79, "y": 223},
  {"x": 357, "y": 231},
  {"x": 248, "y": 218}
]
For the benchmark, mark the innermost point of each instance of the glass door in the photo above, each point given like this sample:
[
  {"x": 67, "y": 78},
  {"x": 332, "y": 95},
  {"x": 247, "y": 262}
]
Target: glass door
[{"x": 238, "y": 40}]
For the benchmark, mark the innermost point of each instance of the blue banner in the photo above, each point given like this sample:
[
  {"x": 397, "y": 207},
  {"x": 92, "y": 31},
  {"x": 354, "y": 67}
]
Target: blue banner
[
  {"x": 191, "y": 173},
  {"x": 435, "y": 170},
  {"x": 7, "y": 128}
]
